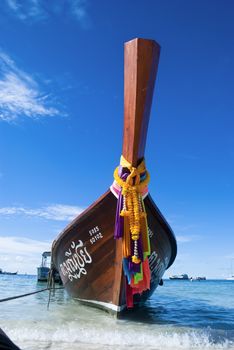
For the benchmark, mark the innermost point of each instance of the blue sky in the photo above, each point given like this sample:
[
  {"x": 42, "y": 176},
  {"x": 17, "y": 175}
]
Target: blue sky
[{"x": 61, "y": 116}]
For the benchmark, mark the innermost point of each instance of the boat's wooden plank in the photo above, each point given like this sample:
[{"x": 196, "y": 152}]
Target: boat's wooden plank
[{"x": 141, "y": 59}]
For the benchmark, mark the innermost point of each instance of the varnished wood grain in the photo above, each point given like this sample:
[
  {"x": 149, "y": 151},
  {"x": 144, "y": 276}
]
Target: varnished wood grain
[
  {"x": 140, "y": 67},
  {"x": 103, "y": 279}
]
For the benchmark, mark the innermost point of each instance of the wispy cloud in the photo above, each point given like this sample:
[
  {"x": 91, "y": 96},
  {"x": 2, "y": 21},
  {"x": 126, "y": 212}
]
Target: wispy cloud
[
  {"x": 20, "y": 94},
  {"x": 37, "y": 10},
  {"x": 22, "y": 245},
  {"x": 21, "y": 254},
  {"x": 78, "y": 9},
  {"x": 187, "y": 239},
  {"x": 230, "y": 256},
  {"x": 24, "y": 10},
  {"x": 57, "y": 212}
]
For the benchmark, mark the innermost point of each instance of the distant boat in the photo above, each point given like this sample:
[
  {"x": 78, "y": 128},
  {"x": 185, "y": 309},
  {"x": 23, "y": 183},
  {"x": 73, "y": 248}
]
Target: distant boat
[
  {"x": 231, "y": 278},
  {"x": 202, "y": 278},
  {"x": 179, "y": 277},
  {"x": 7, "y": 273},
  {"x": 114, "y": 254},
  {"x": 44, "y": 269}
]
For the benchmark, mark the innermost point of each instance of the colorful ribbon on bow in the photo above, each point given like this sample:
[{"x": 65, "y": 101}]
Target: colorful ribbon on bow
[{"x": 131, "y": 225}]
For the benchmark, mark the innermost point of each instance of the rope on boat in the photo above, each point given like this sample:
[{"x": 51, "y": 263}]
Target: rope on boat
[
  {"x": 51, "y": 283},
  {"x": 52, "y": 277},
  {"x": 27, "y": 294},
  {"x": 50, "y": 287}
]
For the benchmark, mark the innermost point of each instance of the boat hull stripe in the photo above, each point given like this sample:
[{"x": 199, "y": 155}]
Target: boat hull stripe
[{"x": 110, "y": 306}]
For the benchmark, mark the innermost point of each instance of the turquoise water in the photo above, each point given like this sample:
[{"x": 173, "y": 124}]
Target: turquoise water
[{"x": 180, "y": 315}]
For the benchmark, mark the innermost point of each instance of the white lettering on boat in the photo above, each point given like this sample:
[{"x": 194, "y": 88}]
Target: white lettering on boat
[
  {"x": 157, "y": 265},
  {"x": 95, "y": 234},
  {"x": 77, "y": 258},
  {"x": 93, "y": 230},
  {"x": 150, "y": 232}
]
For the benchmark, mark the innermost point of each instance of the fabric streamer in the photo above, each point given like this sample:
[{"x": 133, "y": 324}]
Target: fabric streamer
[{"x": 131, "y": 226}]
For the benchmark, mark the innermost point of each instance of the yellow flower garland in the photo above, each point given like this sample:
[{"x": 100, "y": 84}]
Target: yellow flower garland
[{"x": 133, "y": 207}]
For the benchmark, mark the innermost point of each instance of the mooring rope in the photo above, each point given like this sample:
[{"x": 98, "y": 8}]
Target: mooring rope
[
  {"x": 27, "y": 294},
  {"x": 51, "y": 283}
]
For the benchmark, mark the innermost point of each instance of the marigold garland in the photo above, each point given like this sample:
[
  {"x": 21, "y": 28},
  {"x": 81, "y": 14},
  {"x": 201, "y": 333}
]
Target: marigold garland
[{"x": 136, "y": 244}]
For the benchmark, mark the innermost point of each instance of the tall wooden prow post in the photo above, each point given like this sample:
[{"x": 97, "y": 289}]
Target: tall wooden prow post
[{"x": 141, "y": 59}]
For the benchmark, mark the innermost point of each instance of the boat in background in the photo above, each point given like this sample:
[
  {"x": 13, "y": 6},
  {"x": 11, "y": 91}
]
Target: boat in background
[
  {"x": 179, "y": 277},
  {"x": 231, "y": 278},
  {"x": 44, "y": 270},
  {"x": 114, "y": 254},
  {"x": 7, "y": 273},
  {"x": 202, "y": 278}
]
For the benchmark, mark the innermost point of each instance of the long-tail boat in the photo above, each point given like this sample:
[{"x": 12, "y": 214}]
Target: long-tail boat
[{"x": 114, "y": 254}]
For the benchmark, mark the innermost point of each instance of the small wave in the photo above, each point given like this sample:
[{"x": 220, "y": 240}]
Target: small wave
[{"x": 97, "y": 336}]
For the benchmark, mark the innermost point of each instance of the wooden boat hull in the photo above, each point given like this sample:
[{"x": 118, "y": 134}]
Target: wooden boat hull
[{"x": 89, "y": 259}]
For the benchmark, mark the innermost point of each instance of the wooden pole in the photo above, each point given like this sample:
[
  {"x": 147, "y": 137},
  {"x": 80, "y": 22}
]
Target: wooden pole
[{"x": 141, "y": 59}]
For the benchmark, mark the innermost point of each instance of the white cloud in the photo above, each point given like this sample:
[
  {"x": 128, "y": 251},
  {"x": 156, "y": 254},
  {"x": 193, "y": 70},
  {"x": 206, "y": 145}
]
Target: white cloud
[
  {"x": 20, "y": 94},
  {"x": 186, "y": 239},
  {"x": 22, "y": 246},
  {"x": 57, "y": 212},
  {"x": 28, "y": 9},
  {"x": 36, "y": 10},
  {"x": 183, "y": 239},
  {"x": 21, "y": 254},
  {"x": 79, "y": 11},
  {"x": 230, "y": 257}
]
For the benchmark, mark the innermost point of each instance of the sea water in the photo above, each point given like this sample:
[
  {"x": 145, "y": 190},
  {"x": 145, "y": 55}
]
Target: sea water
[{"x": 179, "y": 315}]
